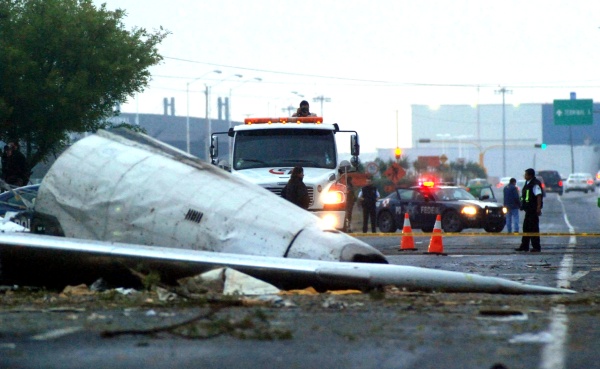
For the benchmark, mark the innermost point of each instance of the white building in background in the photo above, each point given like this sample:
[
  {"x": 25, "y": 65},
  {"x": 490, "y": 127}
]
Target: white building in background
[{"x": 503, "y": 137}]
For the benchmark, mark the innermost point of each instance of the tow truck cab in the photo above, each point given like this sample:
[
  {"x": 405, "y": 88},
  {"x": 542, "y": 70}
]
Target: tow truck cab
[{"x": 265, "y": 150}]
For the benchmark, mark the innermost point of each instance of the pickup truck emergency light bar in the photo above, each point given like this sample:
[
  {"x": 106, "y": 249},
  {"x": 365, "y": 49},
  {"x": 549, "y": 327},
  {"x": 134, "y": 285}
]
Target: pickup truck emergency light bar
[{"x": 315, "y": 120}]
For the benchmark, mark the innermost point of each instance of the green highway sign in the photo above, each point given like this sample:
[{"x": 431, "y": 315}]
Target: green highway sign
[{"x": 573, "y": 112}]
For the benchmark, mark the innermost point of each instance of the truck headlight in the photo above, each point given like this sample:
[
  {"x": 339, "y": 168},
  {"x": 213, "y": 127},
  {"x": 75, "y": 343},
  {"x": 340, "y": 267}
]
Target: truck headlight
[
  {"x": 469, "y": 210},
  {"x": 333, "y": 197}
]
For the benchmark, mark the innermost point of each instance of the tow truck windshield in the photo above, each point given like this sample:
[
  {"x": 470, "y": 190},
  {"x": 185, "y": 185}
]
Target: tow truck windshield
[{"x": 284, "y": 148}]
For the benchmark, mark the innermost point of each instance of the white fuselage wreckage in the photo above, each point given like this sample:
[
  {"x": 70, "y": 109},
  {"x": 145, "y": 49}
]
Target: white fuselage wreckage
[{"x": 127, "y": 187}]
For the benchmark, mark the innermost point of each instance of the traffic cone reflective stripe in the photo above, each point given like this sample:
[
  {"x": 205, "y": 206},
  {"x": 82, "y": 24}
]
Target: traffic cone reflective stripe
[
  {"x": 407, "y": 242},
  {"x": 435, "y": 245}
]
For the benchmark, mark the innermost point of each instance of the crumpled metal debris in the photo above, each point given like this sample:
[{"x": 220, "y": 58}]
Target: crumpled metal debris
[{"x": 228, "y": 282}]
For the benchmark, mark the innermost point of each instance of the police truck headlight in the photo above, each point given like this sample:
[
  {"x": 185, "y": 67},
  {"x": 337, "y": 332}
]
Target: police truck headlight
[
  {"x": 469, "y": 210},
  {"x": 504, "y": 210}
]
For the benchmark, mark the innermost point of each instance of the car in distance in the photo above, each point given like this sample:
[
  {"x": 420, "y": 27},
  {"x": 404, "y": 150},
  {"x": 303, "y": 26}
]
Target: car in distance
[
  {"x": 580, "y": 182},
  {"x": 503, "y": 182},
  {"x": 483, "y": 193},
  {"x": 457, "y": 207},
  {"x": 18, "y": 199},
  {"x": 477, "y": 182},
  {"x": 552, "y": 181}
]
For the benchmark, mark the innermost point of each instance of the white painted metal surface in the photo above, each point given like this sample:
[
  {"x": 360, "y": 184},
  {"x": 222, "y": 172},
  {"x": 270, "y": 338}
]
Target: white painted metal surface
[
  {"x": 127, "y": 187},
  {"x": 275, "y": 270}
]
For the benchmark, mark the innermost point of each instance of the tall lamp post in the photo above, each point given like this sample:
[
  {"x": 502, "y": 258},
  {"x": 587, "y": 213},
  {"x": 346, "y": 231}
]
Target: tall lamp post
[
  {"x": 322, "y": 99},
  {"x": 187, "y": 120},
  {"x": 257, "y": 79},
  {"x": 209, "y": 121},
  {"x": 503, "y": 91}
]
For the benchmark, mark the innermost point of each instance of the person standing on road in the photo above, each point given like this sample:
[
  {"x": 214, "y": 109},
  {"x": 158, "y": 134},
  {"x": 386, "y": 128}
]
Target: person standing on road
[
  {"x": 295, "y": 190},
  {"x": 368, "y": 197},
  {"x": 531, "y": 203},
  {"x": 512, "y": 202},
  {"x": 350, "y": 200}
]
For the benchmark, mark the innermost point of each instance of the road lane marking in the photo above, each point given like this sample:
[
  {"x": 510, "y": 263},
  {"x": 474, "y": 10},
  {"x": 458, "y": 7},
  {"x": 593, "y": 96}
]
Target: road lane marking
[{"x": 554, "y": 351}]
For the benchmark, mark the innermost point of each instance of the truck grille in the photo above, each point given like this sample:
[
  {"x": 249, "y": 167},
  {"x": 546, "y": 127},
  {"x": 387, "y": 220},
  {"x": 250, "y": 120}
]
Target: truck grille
[
  {"x": 277, "y": 191},
  {"x": 494, "y": 212}
]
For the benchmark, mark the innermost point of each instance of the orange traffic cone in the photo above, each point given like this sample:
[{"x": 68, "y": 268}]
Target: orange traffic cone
[
  {"x": 408, "y": 242},
  {"x": 435, "y": 245}
]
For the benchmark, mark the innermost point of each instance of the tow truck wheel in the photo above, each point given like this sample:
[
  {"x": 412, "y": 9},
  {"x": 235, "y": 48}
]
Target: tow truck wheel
[
  {"x": 385, "y": 222},
  {"x": 451, "y": 222}
]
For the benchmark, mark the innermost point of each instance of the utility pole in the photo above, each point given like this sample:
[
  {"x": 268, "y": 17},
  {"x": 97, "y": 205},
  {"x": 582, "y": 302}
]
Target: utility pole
[
  {"x": 503, "y": 91},
  {"x": 321, "y": 99},
  {"x": 289, "y": 109}
]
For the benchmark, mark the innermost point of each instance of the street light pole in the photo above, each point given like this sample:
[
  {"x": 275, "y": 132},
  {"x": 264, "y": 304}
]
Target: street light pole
[
  {"x": 187, "y": 120},
  {"x": 208, "y": 119},
  {"x": 503, "y": 91},
  {"x": 257, "y": 79},
  {"x": 321, "y": 99}
]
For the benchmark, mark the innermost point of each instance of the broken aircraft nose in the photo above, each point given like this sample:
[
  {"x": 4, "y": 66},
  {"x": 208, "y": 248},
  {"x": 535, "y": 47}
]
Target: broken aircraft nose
[{"x": 315, "y": 243}]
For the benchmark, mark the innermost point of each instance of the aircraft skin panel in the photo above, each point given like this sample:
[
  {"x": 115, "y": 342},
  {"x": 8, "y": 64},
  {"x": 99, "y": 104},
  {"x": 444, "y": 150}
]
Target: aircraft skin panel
[
  {"x": 131, "y": 189},
  {"x": 86, "y": 260}
]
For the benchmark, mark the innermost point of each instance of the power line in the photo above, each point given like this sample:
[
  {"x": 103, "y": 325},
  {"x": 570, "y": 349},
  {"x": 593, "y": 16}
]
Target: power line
[{"x": 560, "y": 84}]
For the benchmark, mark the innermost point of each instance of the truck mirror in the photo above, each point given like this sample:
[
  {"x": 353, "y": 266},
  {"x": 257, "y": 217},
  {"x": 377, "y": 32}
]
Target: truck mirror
[
  {"x": 354, "y": 145},
  {"x": 214, "y": 148}
]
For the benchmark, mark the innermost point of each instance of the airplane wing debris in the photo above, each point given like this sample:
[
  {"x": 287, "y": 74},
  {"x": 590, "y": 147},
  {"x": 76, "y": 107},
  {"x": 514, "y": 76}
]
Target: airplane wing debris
[{"x": 72, "y": 261}]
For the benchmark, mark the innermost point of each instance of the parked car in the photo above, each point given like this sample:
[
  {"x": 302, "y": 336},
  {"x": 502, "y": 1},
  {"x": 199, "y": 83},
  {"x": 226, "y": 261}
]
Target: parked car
[
  {"x": 503, "y": 182},
  {"x": 552, "y": 181},
  {"x": 483, "y": 193},
  {"x": 458, "y": 208},
  {"x": 580, "y": 182},
  {"x": 477, "y": 182},
  {"x": 18, "y": 199}
]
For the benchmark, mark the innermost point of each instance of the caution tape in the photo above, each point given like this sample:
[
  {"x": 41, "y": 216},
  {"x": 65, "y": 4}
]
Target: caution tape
[{"x": 473, "y": 234}]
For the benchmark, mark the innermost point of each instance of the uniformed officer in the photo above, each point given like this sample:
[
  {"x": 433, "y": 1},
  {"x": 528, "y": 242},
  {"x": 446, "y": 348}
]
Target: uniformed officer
[
  {"x": 531, "y": 203},
  {"x": 368, "y": 197}
]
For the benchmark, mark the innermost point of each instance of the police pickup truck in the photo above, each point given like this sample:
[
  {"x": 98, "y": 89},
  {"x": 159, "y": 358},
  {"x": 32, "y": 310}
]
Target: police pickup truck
[{"x": 457, "y": 207}]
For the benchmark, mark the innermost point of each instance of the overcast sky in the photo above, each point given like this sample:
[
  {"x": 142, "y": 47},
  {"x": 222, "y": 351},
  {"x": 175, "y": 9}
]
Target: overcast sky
[{"x": 372, "y": 59}]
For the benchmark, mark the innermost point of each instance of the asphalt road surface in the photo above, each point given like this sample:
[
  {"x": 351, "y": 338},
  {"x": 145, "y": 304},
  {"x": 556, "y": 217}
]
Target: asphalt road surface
[{"x": 381, "y": 329}]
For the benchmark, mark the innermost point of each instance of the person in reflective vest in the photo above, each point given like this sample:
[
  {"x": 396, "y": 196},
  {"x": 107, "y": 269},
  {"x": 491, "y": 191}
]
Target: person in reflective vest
[{"x": 531, "y": 203}]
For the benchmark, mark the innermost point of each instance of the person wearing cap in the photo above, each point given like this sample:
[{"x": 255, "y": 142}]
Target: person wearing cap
[
  {"x": 304, "y": 110},
  {"x": 531, "y": 203}
]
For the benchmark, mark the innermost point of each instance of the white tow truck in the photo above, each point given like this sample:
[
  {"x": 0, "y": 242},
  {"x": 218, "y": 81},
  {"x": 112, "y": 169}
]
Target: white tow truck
[{"x": 264, "y": 151}]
